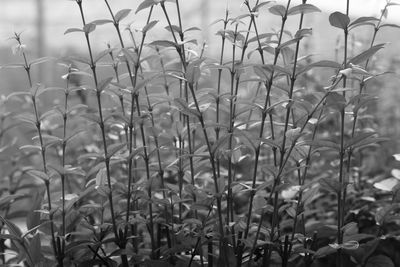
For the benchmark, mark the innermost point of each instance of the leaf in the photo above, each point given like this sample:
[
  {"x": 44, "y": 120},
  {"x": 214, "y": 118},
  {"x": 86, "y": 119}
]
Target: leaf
[
  {"x": 379, "y": 261},
  {"x": 34, "y": 249},
  {"x": 302, "y": 33},
  {"x": 101, "y": 21},
  {"x": 156, "y": 263},
  {"x": 114, "y": 148},
  {"x": 288, "y": 43},
  {"x": 395, "y": 173},
  {"x": 149, "y": 26},
  {"x": 350, "y": 245},
  {"x": 173, "y": 28},
  {"x": 330, "y": 184},
  {"x": 40, "y": 60},
  {"x": 192, "y": 29},
  {"x": 366, "y": 54},
  {"x": 390, "y": 25},
  {"x": 101, "y": 177},
  {"x": 293, "y": 134},
  {"x": 193, "y": 73},
  {"x": 31, "y": 147},
  {"x": 120, "y": 15},
  {"x": 303, "y": 9},
  {"x": 184, "y": 108},
  {"x": 358, "y": 138},
  {"x": 163, "y": 43},
  {"x": 130, "y": 56},
  {"x": 336, "y": 101},
  {"x": 80, "y": 59},
  {"x": 103, "y": 84},
  {"x": 320, "y": 143},
  {"x": 145, "y": 4},
  {"x": 92, "y": 117},
  {"x": 73, "y": 30},
  {"x": 39, "y": 175},
  {"x": 362, "y": 21},
  {"x": 88, "y": 28},
  {"x": 7, "y": 200},
  {"x": 321, "y": 64},
  {"x": 387, "y": 184},
  {"x": 102, "y": 54},
  {"x": 12, "y": 66},
  {"x": 19, "y": 242},
  {"x": 278, "y": 10},
  {"x": 324, "y": 251},
  {"x": 33, "y": 218},
  {"x": 339, "y": 20},
  {"x": 260, "y": 5}
]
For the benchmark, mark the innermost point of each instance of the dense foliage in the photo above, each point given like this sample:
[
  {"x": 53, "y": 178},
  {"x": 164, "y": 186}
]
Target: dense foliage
[{"x": 155, "y": 154}]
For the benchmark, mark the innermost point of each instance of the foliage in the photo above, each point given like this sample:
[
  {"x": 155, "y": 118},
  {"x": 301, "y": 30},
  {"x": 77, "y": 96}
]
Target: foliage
[{"x": 174, "y": 158}]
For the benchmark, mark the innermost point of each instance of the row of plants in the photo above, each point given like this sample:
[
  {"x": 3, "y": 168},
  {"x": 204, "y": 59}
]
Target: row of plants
[{"x": 155, "y": 152}]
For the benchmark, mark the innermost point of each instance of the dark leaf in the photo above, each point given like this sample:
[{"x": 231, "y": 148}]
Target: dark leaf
[
  {"x": 339, "y": 20},
  {"x": 336, "y": 101},
  {"x": 379, "y": 261}
]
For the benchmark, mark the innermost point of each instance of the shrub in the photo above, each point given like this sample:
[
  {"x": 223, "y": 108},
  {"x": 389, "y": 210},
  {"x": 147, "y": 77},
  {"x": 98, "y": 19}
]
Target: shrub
[{"x": 173, "y": 158}]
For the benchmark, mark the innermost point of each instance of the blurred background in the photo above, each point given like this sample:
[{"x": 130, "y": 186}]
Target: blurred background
[{"x": 43, "y": 23}]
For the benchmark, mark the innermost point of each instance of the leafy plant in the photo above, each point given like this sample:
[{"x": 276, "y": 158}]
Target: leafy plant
[{"x": 171, "y": 157}]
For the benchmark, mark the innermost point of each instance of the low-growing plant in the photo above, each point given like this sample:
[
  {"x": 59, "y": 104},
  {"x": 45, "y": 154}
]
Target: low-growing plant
[{"x": 173, "y": 156}]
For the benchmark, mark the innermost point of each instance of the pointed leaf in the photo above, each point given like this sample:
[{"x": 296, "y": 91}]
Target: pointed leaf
[
  {"x": 88, "y": 28},
  {"x": 278, "y": 10},
  {"x": 73, "y": 30},
  {"x": 104, "y": 84},
  {"x": 366, "y": 54},
  {"x": 303, "y": 9},
  {"x": 145, "y": 4},
  {"x": 163, "y": 43},
  {"x": 101, "y": 21},
  {"x": 390, "y": 25},
  {"x": 120, "y": 15},
  {"x": 361, "y": 21},
  {"x": 40, "y": 60},
  {"x": 149, "y": 26}
]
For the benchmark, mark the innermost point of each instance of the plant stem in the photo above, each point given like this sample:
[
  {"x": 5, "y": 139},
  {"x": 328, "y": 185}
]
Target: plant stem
[
  {"x": 27, "y": 68},
  {"x": 263, "y": 117},
  {"x": 102, "y": 128}
]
